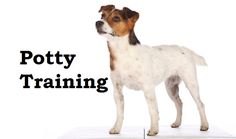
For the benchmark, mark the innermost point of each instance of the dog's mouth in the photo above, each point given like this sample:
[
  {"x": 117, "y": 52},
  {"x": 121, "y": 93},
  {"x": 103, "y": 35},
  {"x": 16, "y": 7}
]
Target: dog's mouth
[{"x": 101, "y": 32}]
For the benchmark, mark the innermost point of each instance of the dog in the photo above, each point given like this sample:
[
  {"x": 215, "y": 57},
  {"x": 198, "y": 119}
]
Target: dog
[{"x": 141, "y": 67}]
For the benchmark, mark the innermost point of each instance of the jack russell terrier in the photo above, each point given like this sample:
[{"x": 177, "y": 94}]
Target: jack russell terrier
[{"x": 141, "y": 67}]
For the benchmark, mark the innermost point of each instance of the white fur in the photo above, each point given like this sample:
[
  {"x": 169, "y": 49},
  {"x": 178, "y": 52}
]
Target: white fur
[{"x": 142, "y": 67}]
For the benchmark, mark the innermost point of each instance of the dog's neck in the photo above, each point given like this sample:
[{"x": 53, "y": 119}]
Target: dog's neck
[
  {"x": 133, "y": 40},
  {"x": 119, "y": 43},
  {"x": 118, "y": 46},
  {"x": 124, "y": 42}
]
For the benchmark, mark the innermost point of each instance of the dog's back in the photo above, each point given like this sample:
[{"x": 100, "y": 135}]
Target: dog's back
[
  {"x": 169, "y": 60},
  {"x": 152, "y": 65}
]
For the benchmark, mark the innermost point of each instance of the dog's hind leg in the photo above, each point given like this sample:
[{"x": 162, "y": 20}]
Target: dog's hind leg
[
  {"x": 119, "y": 99},
  {"x": 172, "y": 87},
  {"x": 190, "y": 80}
]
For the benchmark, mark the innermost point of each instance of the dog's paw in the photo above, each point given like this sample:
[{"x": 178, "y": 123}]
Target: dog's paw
[
  {"x": 152, "y": 132},
  {"x": 204, "y": 128},
  {"x": 114, "y": 131},
  {"x": 175, "y": 125}
]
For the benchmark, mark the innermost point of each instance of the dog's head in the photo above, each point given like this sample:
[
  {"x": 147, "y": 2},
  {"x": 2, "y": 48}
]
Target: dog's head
[{"x": 115, "y": 22}]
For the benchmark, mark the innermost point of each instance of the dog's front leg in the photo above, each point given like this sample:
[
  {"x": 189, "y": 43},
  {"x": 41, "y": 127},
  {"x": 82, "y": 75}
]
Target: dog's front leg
[
  {"x": 153, "y": 111},
  {"x": 119, "y": 99}
]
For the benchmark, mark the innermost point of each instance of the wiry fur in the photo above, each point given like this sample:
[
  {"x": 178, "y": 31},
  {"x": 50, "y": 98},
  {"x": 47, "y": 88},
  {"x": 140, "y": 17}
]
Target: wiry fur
[{"x": 141, "y": 67}]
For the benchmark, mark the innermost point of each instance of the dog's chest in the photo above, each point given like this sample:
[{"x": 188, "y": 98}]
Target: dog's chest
[{"x": 131, "y": 69}]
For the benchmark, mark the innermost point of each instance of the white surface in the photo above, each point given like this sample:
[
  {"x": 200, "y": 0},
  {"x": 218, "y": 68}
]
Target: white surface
[{"x": 138, "y": 133}]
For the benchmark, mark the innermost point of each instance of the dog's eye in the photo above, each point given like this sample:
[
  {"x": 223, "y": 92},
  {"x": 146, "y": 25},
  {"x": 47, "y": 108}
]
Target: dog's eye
[
  {"x": 103, "y": 16},
  {"x": 116, "y": 19}
]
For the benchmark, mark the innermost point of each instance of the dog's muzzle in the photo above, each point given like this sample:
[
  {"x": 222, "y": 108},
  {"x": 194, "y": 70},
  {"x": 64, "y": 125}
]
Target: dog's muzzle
[{"x": 99, "y": 25}]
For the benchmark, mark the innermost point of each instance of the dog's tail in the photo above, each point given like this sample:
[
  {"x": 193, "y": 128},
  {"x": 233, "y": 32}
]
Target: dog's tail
[{"x": 199, "y": 60}]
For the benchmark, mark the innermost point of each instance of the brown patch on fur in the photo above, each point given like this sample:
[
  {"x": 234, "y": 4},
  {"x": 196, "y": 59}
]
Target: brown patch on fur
[
  {"x": 120, "y": 28},
  {"x": 132, "y": 38},
  {"x": 125, "y": 25},
  {"x": 173, "y": 84},
  {"x": 106, "y": 10},
  {"x": 112, "y": 57},
  {"x": 175, "y": 90},
  {"x": 127, "y": 19}
]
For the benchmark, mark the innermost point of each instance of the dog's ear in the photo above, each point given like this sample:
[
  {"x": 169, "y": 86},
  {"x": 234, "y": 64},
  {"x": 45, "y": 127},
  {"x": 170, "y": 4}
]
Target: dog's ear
[
  {"x": 107, "y": 8},
  {"x": 131, "y": 15}
]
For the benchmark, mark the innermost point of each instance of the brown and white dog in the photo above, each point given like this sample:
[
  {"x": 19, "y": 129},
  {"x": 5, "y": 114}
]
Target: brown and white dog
[{"x": 142, "y": 67}]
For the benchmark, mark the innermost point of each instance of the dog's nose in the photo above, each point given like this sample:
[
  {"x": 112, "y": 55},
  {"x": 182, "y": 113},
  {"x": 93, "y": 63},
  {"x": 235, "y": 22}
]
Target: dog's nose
[{"x": 99, "y": 24}]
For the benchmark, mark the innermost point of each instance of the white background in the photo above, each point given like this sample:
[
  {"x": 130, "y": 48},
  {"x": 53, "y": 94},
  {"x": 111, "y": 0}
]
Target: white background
[{"x": 205, "y": 26}]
